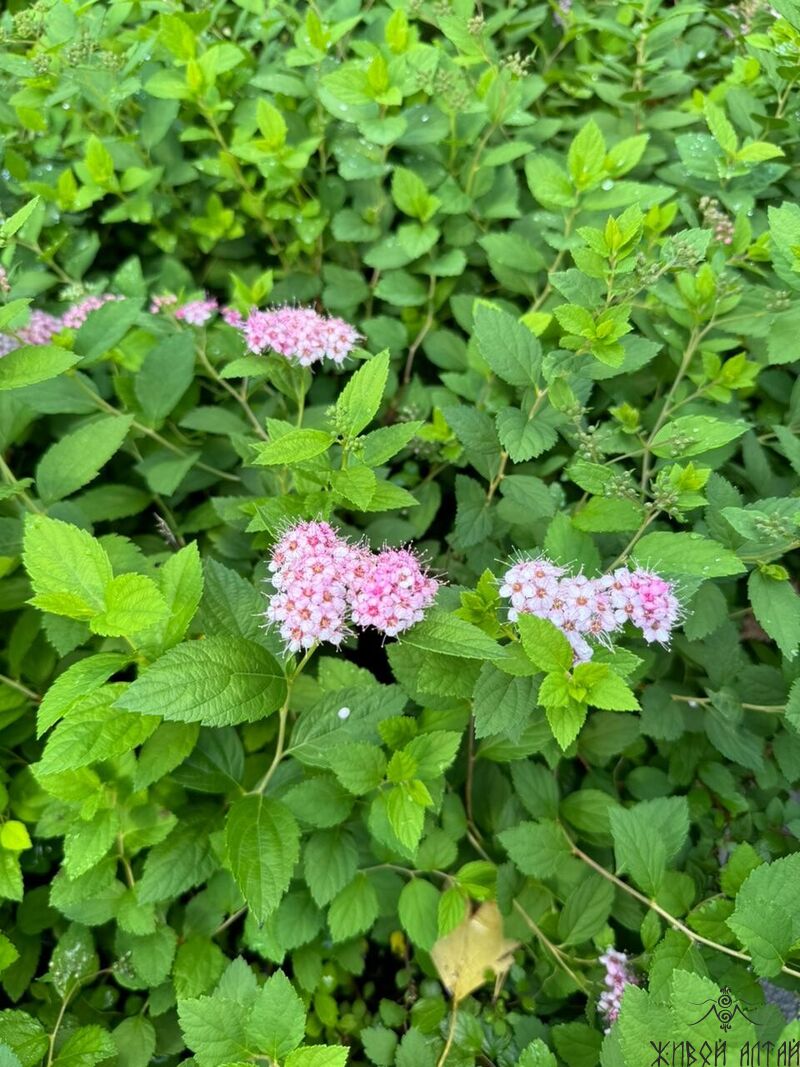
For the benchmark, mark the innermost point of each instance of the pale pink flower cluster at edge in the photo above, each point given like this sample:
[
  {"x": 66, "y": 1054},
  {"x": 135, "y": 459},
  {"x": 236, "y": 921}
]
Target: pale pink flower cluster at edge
[
  {"x": 322, "y": 581},
  {"x": 42, "y": 326},
  {"x": 618, "y": 975},
  {"x": 584, "y": 608}
]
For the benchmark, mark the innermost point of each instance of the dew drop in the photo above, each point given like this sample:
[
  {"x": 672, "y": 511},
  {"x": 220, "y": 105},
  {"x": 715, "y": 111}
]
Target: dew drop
[
  {"x": 607, "y": 184},
  {"x": 343, "y": 713}
]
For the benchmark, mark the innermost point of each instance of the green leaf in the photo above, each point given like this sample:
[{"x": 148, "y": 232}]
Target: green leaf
[
  {"x": 217, "y": 682},
  {"x": 278, "y": 1019},
  {"x": 586, "y": 156},
  {"x": 508, "y": 346},
  {"x": 405, "y": 814},
  {"x": 135, "y": 1040},
  {"x": 537, "y": 1054},
  {"x": 15, "y": 222},
  {"x": 586, "y": 910},
  {"x": 133, "y": 604},
  {"x": 262, "y": 842},
  {"x": 79, "y": 457},
  {"x": 317, "y": 1056},
  {"x": 524, "y": 437},
  {"x": 502, "y": 704},
  {"x": 34, "y": 363},
  {"x": 766, "y": 918},
  {"x": 565, "y": 719},
  {"x": 359, "y": 766},
  {"x": 451, "y": 636},
  {"x": 330, "y": 859},
  {"x": 94, "y": 731},
  {"x": 24, "y": 1035},
  {"x": 544, "y": 644},
  {"x": 601, "y": 515},
  {"x": 181, "y": 582},
  {"x": 692, "y": 435},
  {"x": 77, "y": 682},
  {"x": 69, "y": 570},
  {"x": 380, "y": 445},
  {"x": 293, "y": 447},
  {"x": 537, "y": 848},
  {"x": 411, "y": 195},
  {"x": 354, "y": 910},
  {"x": 85, "y": 1047},
  {"x": 165, "y": 375},
  {"x": 417, "y": 909},
  {"x": 359, "y": 401},
  {"x": 214, "y": 1029},
  {"x": 776, "y": 606},
  {"x": 647, "y": 837},
  {"x": 686, "y": 553}
]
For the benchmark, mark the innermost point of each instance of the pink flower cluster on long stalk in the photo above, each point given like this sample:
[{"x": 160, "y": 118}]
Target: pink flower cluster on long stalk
[
  {"x": 320, "y": 580},
  {"x": 618, "y": 975},
  {"x": 584, "y": 608}
]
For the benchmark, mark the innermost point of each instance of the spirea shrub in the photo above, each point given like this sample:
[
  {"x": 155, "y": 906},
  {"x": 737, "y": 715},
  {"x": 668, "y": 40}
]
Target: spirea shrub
[{"x": 399, "y": 534}]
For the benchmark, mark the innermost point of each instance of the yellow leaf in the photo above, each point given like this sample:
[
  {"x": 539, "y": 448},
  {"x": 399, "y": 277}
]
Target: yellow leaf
[{"x": 475, "y": 947}]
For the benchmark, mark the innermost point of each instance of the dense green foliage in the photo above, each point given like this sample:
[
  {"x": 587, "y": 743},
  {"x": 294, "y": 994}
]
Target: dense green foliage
[{"x": 568, "y": 236}]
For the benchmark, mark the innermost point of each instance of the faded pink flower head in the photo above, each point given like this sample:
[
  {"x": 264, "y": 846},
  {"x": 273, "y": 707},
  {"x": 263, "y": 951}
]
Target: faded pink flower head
[
  {"x": 300, "y": 334},
  {"x": 232, "y": 317},
  {"x": 75, "y": 316},
  {"x": 197, "y": 312},
  {"x": 164, "y": 300},
  {"x": 5, "y": 285},
  {"x": 618, "y": 975},
  {"x": 41, "y": 328}
]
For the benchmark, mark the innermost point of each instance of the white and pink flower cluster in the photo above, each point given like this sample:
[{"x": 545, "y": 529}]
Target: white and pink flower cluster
[
  {"x": 320, "y": 579},
  {"x": 301, "y": 334},
  {"x": 584, "y": 608},
  {"x": 618, "y": 975},
  {"x": 42, "y": 326}
]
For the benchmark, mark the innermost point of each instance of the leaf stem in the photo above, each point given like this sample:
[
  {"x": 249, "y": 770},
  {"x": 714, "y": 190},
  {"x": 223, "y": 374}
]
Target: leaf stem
[
  {"x": 451, "y": 1033},
  {"x": 674, "y": 922},
  {"x": 29, "y": 693},
  {"x": 283, "y": 716}
]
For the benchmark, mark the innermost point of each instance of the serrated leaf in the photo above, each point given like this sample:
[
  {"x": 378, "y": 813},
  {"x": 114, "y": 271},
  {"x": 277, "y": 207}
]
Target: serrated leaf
[
  {"x": 217, "y": 682},
  {"x": 262, "y": 842}
]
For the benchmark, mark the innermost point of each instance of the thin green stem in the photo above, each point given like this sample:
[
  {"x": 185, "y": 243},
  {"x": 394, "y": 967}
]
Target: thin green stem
[
  {"x": 153, "y": 434},
  {"x": 768, "y": 709},
  {"x": 283, "y": 718},
  {"x": 670, "y": 919},
  {"x": 29, "y": 693},
  {"x": 238, "y": 397},
  {"x": 10, "y": 479},
  {"x": 451, "y": 1033}
]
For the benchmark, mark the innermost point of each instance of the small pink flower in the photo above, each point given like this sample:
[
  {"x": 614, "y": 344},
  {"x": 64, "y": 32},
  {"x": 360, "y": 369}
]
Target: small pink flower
[
  {"x": 7, "y": 344},
  {"x": 197, "y": 312},
  {"x": 165, "y": 300},
  {"x": 618, "y": 975},
  {"x": 75, "y": 316},
  {"x": 232, "y": 317},
  {"x": 41, "y": 328}
]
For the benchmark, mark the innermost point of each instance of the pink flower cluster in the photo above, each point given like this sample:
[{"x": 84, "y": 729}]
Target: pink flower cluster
[
  {"x": 618, "y": 975},
  {"x": 584, "y": 608},
  {"x": 319, "y": 578},
  {"x": 42, "y": 326},
  {"x": 195, "y": 312},
  {"x": 300, "y": 334}
]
